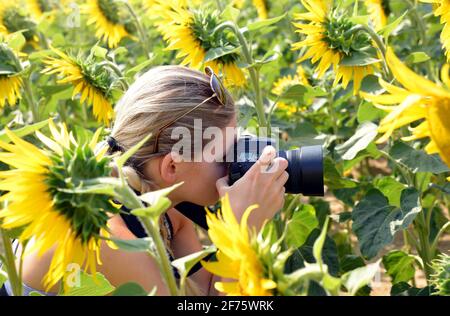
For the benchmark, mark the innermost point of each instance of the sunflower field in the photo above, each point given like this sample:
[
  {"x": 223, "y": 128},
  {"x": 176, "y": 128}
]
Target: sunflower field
[{"x": 368, "y": 80}]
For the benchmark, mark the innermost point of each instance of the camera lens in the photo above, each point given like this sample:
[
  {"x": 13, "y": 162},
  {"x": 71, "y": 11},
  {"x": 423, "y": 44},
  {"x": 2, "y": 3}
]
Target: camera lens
[
  {"x": 305, "y": 165},
  {"x": 305, "y": 169}
]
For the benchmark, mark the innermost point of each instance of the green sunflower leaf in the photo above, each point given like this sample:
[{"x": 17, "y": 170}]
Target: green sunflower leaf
[
  {"x": 388, "y": 29},
  {"x": 134, "y": 70},
  {"x": 186, "y": 263},
  {"x": 366, "y": 111},
  {"x": 130, "y": 289},
  {"x": 365, "y": 133},
  {"x": 16, "y": 41},
  {"x": 375, "y": 222},
  {"x": 217, "y": 52},
  {"x": 360, "y": 277},
  {"x": 404, "y": 289},
  {"x": 135, "y": 245},
  {"x": 103, "y": 185},
  {"x": 329, "y": 252},
  {"x": 153, "y": 197},
  {"x": 417, "y": 160},
  {"x": 333, "y": 179},
  {"x": 391, "y": 189},
  {"x": 371, "y": 151},
  {"x": 23, "y": 131},
  {"x": 318, "y": 244},
  {"x": 230, "y": 13},
  {"x": 399, "y": 266},
  {"x": 300, "y": 226},
  {"x": 86, "y": 285},
  {"x": 155, "y": 210},
  {"x": 417, "y": 57},
  {"x": 262, "y": 23},
  {"x": 359, "y": 59},
  {"x": 99, "y": 51}
]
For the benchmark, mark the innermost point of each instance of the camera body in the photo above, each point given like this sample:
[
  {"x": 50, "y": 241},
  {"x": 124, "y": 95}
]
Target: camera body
[
  {"x": 305, "y": 169},
  {"x": 305, "y": 165}
]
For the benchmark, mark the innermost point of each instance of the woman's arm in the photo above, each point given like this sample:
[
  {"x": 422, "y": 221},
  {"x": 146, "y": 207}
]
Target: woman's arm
[{"x": 120, "y": 266}]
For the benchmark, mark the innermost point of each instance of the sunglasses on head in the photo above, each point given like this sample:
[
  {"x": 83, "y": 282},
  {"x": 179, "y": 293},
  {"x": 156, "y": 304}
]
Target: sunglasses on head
[{"x": 219, "y": 92}]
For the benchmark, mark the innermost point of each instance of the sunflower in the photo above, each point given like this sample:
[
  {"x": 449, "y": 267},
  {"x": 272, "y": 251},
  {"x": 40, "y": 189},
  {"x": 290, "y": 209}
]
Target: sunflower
[
  {"x": 12, "y": 21},
  {"x": 40, "y": 201},
  {"x": 108, "y": 25},
  {"x": 420, "y": 99},
  {"x": 440, "y": 279},
  {"x": 261, "y": 8},
  {"x": 442, "y": 9},
  {"x": 378, "y": 11},
  {"x": 38, "y": 8},
  {"x": 329, "y": 41},
  {"x": 10, "y": 80},
  {"x": 190, "y": 33},
  {"x": 89, "y": 79},
  {"x": 282, "y": 84},
  {"x": 260, "y": 5},
  {"x": 237, "y": 256},
  {"x": 151, "y": 4}
]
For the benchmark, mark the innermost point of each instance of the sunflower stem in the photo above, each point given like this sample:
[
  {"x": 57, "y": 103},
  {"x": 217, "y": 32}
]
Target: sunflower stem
[
  {"x": 254, "y": 72},
  {"x": 43, "y": 40},
  {"x": 219, "y": 5},
  {"x": 332, "y": 112},
  {"x": 152, "y": 228},
  {"x": 140, "y": 29},
  {"x": 30, "y": 99},
  {"x": 10, "y": 263},
  {"x": 438, "y": 235},
  {"x": 423, "y": 232},
  {"x": 379, "y": 43},
  {"x": 28, "y": 92},
  {"x": 290, "y": 209},
  {"x": 22, "y": 256},
  {"x": 416, "y": 16},
  {"x": 117, "y": 71}
]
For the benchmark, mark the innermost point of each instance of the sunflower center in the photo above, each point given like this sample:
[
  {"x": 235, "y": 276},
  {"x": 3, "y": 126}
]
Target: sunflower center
[
  {"x": 13, "y": 21},
  {"x": 202, "y": 26},
  {"x": 338, "y": 37},
  {"x": 84, "y": 211},
  {"x": 110, "y": 10}
]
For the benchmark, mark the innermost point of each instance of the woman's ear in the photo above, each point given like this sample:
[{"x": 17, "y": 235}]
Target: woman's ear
[{"x": 169, "y": 168}]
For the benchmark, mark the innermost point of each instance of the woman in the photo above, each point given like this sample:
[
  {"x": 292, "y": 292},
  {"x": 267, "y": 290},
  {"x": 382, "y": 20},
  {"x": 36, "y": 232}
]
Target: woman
[{"x": 165, "y": 98}]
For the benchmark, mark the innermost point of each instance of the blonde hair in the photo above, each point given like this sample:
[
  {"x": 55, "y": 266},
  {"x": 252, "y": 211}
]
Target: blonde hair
[{"x": 152, "y": 101}]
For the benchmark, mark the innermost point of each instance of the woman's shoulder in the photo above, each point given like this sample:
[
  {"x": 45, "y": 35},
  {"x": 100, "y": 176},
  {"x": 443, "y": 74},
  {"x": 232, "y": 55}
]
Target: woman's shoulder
[{"x": 177, "y": 219}]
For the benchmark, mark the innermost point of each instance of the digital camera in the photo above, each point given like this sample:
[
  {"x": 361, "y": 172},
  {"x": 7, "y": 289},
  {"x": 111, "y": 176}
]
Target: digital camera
[
  {"x": 305, "y": 169},
  {"x": 305, "y": 165}
]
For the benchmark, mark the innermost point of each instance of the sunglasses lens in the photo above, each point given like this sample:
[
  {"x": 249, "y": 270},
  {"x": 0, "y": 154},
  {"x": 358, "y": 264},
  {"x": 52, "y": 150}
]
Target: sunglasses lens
[
  {"x": 216, "y": 85},
  {"x": 218, "y": 89}
]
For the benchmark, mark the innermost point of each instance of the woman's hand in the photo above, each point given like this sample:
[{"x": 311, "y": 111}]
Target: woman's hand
[{"x": 262, "y": 184}]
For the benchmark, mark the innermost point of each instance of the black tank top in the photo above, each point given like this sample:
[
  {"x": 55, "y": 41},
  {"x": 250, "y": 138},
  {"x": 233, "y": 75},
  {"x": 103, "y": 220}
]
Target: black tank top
[{"x": 191, "y": 211}]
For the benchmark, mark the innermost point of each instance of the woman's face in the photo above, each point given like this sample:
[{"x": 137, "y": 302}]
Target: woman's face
[{"x": 200, "y": 177}]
